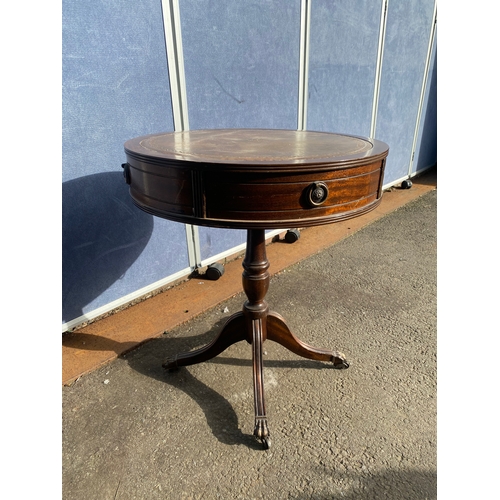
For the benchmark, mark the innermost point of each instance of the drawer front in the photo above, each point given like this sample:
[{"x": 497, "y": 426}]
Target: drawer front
[{"x": 291, "y": 197}]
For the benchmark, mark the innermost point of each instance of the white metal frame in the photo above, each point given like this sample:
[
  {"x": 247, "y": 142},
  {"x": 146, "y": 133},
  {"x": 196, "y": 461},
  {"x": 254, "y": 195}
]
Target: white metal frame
[
  {"x": 378, "y": 69},
  {"x": 432, "y": 37},
  {"x": 305, "y": 25},
  {"x": 175, "y": 60},
  {"x": 376, "y": 93},
  {"x": 178, "y": 95}
]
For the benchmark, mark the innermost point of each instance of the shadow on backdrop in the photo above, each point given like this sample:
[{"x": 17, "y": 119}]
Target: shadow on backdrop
[{"x": 103, "y": 234}]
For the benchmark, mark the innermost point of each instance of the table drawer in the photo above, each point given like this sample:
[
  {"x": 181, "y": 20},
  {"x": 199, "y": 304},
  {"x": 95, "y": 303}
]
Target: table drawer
[{"x": 291, "y": 197}]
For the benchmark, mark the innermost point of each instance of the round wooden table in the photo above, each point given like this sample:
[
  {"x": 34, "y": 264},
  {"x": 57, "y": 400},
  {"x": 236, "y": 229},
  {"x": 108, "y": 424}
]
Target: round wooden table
[{"x": 255, "y": 179}]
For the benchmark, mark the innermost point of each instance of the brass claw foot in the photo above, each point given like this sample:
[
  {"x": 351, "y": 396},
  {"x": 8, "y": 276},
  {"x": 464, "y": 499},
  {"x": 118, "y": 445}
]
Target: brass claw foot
[
  {"x": 261, "y": 432},
  {"x": 170, "y": 364},
  {"x": 339, "y": 361}
]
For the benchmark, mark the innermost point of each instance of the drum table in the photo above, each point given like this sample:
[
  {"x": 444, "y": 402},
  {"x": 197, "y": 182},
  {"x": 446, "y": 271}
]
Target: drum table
[{"x": 255, "y": 180}]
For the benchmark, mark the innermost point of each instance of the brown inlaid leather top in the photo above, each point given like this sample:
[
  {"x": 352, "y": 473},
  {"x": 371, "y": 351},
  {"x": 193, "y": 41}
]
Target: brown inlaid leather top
[{"x": 253, "y": 146}]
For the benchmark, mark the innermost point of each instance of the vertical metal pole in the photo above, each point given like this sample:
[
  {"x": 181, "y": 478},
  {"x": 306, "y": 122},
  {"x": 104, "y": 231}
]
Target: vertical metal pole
[
  {"x": 424, "y": 86},
  {"x": 177, "y": 80},
  {"x": 378, "y": 70},
  {"x": 305, "y": 24},
  {"x": 175, "y": 59}
]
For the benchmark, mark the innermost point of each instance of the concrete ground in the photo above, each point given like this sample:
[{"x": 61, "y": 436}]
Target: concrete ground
[{"x": 133, "y": 431}]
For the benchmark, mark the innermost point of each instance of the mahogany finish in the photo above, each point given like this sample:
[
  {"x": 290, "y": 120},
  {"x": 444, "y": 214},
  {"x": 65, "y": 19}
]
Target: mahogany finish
[{"x": 255, "y": 179}]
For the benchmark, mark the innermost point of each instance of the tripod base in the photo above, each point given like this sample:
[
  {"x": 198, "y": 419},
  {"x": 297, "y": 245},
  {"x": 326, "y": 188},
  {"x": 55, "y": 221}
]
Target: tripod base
[{"x": 255, "y": 324}]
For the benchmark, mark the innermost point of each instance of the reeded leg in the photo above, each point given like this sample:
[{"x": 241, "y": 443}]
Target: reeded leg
[
  {"x": 255, "y": 309},
  {"x": 233, "y": 331},
  {"x": 278, "y": 331},
  {"x": 261, "y": 430}
]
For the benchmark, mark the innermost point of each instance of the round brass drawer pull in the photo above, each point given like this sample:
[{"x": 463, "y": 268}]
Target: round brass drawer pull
[{"x": 317, "y": 193}]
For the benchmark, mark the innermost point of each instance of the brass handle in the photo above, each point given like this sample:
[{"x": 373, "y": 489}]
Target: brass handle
[
  {"x": 126, "y": 172},
  {"x": 317, "y": 193}
]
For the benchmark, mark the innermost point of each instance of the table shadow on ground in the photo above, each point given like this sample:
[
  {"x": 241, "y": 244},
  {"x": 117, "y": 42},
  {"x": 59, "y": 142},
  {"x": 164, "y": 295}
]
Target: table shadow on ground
[{"x": 147, "y": 359}]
